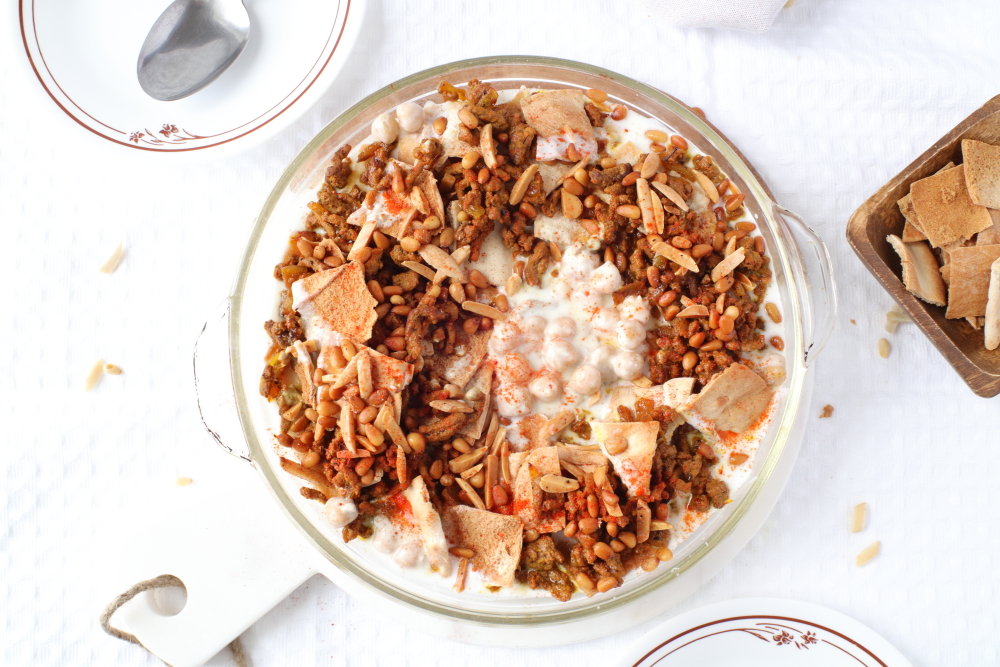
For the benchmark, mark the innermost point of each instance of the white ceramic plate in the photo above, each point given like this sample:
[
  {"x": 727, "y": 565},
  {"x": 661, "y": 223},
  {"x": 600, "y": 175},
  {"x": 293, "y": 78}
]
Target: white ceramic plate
[
  {"x": 760, "y": 632},
  {"x": 84, "y": 55}
]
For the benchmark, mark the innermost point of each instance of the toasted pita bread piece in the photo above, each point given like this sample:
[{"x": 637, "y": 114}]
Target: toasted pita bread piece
[
  {"x": 429, "y": 522},
  {"x": 946, "y": 211},
  {"x": 528, "y": 496},
  {"x": 304, "y": 369},
  {"x": 483, "y": 381},
  {"x": 560, "y": 230},
  {"x": 921, "y": 274},
  {"x": 338, "y": 301},
  {"x": 585, "y": 459},
  {"x": 970, "y": 280},
  {"x": 552, "y": 174},
  {"x": 634, "y": 465},
  {"x": 428, "y": 185},
  {"x": 494, "y": 261},
  {"x": 389, "y": 373},
  {"x": 531, "y": 430},
  {"x": 982, "y": 172},
  {"x": 460, "y": 366},
  {"x": 733, "y": 400},
  {"x": 495, "y": 538},
  {"x": 991, "y": 235},
  {"x": 559, "y": 119},
  {"x": 992, "y": 323},
  {"x": 672, "y": 393},
  {"x": 911, "y": 229}
]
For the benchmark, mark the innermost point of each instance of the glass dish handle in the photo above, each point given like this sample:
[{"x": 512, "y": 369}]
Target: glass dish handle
[
  {"x": 814, "y": 269},
  {"x": 213, "y": 383}
]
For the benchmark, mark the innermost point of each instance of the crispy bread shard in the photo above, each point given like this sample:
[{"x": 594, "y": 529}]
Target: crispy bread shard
[
  {"x": 634, "y": 465},
  {"x": 734, "y": 399},
  {"x": 982, "y": 172},
  {"x": 495, "y": 538},
  {"x": 338, "y": 300},
  {"x": 921, "y": 274},
  {"x": 528, "y": 496},
  {"x": 461, "y": 365},
  {"x": 304, "y": 369},
  {"x": 946, "y": 211},
  {"x": 911, "y": 230},
  {"x": 970, "y": 280},
  {"x": 559, "y": 119},
  {"x": 429, "y": 523},
  {"x": 992, "y": 324},
  {"x": 560, "y": 230},
  {"x": 389, "y": 373}
]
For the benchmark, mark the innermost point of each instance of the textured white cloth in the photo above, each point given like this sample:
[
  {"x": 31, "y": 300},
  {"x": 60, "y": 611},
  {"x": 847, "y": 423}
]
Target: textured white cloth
[
  {"x": 748, "y": 15},
  {"x": 831, "y": 102}
]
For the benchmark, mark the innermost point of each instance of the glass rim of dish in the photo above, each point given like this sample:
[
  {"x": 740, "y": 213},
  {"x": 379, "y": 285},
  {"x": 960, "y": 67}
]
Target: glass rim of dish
[{"x": 314, "y": 155}]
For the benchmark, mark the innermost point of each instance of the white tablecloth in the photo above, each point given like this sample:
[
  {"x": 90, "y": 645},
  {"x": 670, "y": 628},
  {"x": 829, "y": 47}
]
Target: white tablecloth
[{"x": 830, "y": 103}]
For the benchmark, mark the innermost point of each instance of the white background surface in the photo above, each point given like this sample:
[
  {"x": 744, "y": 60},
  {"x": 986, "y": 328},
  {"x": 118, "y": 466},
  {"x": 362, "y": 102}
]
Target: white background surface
[{"x": 830, "y": 103}]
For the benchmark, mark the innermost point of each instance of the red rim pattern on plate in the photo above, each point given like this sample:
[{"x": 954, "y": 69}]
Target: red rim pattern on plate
[
  {"x": 780, "y": 637},
  {"x": 173, "y": 137}
]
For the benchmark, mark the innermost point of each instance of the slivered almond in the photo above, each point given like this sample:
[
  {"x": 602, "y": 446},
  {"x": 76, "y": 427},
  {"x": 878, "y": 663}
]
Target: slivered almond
[
  {"x": 557, "y": 424},
  {"x": 442, "y": 261},
  {"x": 349, "y": 374},
  {"x": 446, "y": 405},
  {"x": 488, "y": 147},
  {"x": 94, "y": 375},
  {"x": 521, "y": 185},
  {"x": 650, "y": 165},
  {"x": 868, "y": 553},
  {"x": 672, "y": 195},
  {"x": 643, "y": 199},
  {"x": 471, "y": 472},
  {"x": 576, "y": 471},
  {"x": 471, "y": 492},
  {"x": 514, "y": 284},
  {"x": 558, "y": 484},
  {"x": 460, "y": 464},
  {"x": 396, "y": 434},
  {"x": 365, "y": 387},
  {"x": 858, "y": 516},
  {"x": 707, "y": 186},
  {"x": 112, "y": 262},
  {"x": 347, "y": 429},
  {"x": 728, "y": 265},
  {"x": 676, "y": 256},
  {"x": 694, "y": 311},
  {"x": 422, "y": 269},
  {"x": 483, "y": 310},
  {"x": 730, "y": 247},
  {"x": 364, "y": 236},
  {"x": 594, "y": 398},
  {"x": 461, "y": 254},
  {"x": 419, "y": 201},
  {"x": 499, "y": 438},
  {"x": 658, "y": 216}
]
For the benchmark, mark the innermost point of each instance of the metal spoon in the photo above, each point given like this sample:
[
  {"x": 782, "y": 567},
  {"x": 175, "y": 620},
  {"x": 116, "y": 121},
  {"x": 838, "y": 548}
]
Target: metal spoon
[{"x": 190, "y": 45}]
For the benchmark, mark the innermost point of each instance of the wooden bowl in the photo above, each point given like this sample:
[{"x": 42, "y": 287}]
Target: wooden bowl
[{"x": 878, "y": 217}]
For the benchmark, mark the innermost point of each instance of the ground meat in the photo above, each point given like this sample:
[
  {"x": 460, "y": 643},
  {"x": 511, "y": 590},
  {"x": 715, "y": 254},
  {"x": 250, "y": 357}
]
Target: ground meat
[
  {"x": 516, "y": 235},
  {"x": 339, "y": 171},
  {"x": 718, "y": 491},
  {"x": 313, "y": 494},
  {"x": 443, "y": 429},
  {"x": 285, "y": 332},
  {"x": 522, "y": 136},
  {"x": 474, "y": 232},
  {"x": 270, "y": 383},
  {"x": 398, "y": 255},
  {"x": 407, "y": 281},
  {"x": 541, "y": 554},
  {"x": 594, "y": 114},
  {"x": 556, "y": 582},
  {"x": 537, "y": 264}
]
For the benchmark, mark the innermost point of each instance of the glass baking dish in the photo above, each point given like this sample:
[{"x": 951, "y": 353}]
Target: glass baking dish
[{"x": 230, "y": 353}]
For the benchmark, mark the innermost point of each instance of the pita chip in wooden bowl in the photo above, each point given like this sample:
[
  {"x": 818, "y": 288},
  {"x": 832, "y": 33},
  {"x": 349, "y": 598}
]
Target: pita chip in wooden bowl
[{"x": 931, "y": 236}]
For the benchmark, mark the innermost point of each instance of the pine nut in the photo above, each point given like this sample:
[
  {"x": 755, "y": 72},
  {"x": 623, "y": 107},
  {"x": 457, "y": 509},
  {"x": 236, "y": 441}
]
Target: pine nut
[
  {"x": 689, "y": 361},
  {"x": 631, "y": 178},
  {"x": 628, "y": 539},
  {"x": 628, "y": 211},
  {"x": 618, "y": 112},
  {"x": 773, "y": 312},
  {"x": 409, "y": 244},
  {"x": 447, "y": 237},
  {"x": 596, "y": 95},
  {"x": 679, "y": 142},
  {"x": 468, "y": 118},
  {"x": 588, "y": 525},
  {"x": 462, "y": 552},
  {"x": 470, "y": 159},
  {"x": 607, "y": 162},
  {"x": 664, "y": 554},
  {"x": 584, "y": 583},
  {"x": 701, "y": 250},
  {"x": 573, "y": 186},
  {"x": 557, "y": 484},
  {"x": 615, "y": 445},
  {"x": 381, "y": 240},
  {"x": 603, "y": 551},
  {"x": 416, "y": 441},
  {"x": 440, "y": 124}
]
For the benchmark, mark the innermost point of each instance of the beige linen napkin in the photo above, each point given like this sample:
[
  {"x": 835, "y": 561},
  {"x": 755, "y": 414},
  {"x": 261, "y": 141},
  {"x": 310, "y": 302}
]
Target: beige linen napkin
[{"x": 748, "y": 15}]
